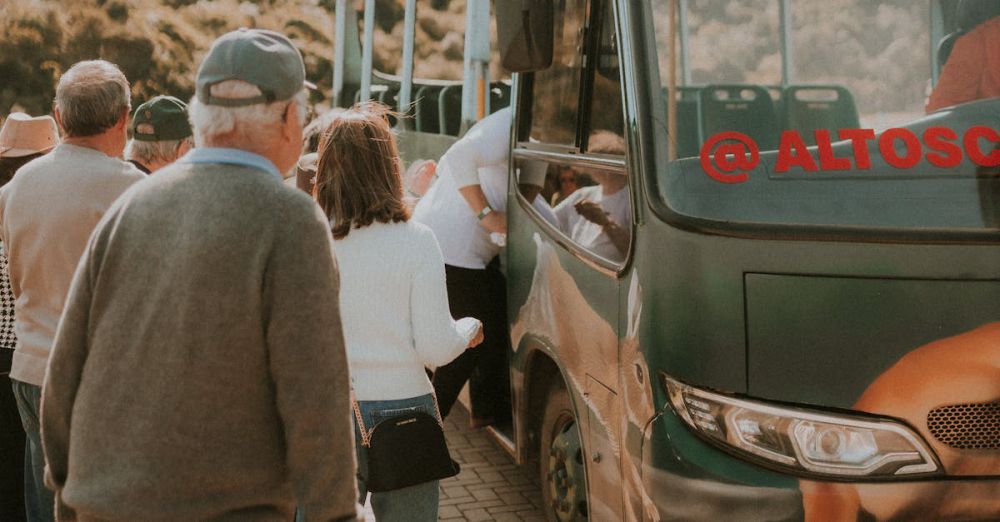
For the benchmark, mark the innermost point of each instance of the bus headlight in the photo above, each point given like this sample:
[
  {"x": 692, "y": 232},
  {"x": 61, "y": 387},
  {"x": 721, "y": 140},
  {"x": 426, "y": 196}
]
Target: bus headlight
[{"x": 800, "y": 440}]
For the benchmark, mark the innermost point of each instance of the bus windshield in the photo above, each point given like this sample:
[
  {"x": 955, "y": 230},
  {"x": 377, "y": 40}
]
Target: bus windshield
[{"x": 836, "y": 114}]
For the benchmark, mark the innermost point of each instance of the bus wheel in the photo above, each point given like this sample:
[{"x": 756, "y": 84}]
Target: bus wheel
[{"x": 564, "y": 486}]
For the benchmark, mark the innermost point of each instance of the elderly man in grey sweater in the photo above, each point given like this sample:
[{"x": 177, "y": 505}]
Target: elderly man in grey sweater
[{"x": 199, "y": 371}]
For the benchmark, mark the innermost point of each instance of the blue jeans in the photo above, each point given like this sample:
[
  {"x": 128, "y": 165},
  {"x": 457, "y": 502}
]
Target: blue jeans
[
  {"x": 39, "y": 501},
  {"x": 415, "y": 503}
]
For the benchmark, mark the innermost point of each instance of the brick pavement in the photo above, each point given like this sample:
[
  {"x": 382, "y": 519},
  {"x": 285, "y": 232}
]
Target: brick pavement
[{"x": 490, "y": 487}]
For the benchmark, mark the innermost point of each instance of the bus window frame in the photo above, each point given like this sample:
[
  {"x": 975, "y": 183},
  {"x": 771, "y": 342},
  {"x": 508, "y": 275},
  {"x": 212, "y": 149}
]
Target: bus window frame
[
  {"x": 577, "y": 157},
  {"x": 526, "y": 102},
  {"x": 600, "y": 264}
]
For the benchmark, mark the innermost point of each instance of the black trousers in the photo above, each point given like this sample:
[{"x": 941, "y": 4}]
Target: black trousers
[
  {"x": 11, "y": 447},
  {"x": 481, "y": 294}
]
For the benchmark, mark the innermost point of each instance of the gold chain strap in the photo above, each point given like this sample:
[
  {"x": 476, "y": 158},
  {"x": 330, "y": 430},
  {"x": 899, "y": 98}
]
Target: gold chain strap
[
  {"x": 366, "y": 436},
  {"x": 437, "y": 411}
]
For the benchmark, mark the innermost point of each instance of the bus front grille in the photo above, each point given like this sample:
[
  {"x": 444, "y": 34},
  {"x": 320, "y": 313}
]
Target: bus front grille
[{"x": 967, "y": 426}]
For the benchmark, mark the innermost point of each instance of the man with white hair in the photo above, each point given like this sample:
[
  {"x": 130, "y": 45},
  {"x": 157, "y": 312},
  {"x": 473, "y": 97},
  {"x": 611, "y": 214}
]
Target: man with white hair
[
  {"x": 200, "y": 370},
  {"x": 47, "y": 212},
  {"x": 160, "y": 134}
]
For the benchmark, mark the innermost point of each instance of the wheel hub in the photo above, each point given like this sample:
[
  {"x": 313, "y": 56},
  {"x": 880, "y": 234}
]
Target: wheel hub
[{"x": 566, "y": 474}]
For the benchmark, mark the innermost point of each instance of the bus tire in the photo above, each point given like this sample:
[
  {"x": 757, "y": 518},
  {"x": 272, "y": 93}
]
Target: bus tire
[{"x": 561, "y": 464}]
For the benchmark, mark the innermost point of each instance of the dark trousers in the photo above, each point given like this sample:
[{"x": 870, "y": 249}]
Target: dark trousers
[
  {"x": 39, "y": 500},
  {"x": 481, "y": 294},
  {"x": 11, "y": 447}
]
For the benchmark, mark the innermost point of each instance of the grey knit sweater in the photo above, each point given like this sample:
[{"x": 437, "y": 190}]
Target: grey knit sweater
[{"x": 199, "y": 369}]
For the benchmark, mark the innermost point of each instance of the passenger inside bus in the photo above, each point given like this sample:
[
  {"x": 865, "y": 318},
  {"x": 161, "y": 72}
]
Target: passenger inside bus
[
  {"x": 972, "y": 67},
  {"x": 565, "y": 181},
  {"x": 597, "y": 217}
]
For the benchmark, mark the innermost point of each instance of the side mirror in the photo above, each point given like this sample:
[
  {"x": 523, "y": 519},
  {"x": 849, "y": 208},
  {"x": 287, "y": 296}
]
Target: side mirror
[{"x": 524, "y": 31}]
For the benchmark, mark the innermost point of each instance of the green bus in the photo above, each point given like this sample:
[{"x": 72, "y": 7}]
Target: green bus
[{"x": 803, "y": 319}]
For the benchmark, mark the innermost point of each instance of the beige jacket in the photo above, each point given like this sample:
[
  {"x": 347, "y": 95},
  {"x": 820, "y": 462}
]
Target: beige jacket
[{"x": 47, "y": 213}]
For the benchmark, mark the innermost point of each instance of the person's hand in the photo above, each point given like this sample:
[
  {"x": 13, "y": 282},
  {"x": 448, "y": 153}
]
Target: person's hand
[
  {"x": 495, "y": 221},
  {"x": 477, "y": 339},
  {"x": 592, "y": 212},
  {"x": 423, "y": 178}
]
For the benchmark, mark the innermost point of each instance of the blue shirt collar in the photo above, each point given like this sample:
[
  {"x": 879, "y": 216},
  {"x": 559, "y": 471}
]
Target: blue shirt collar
[{"x": 231, "y": 157}]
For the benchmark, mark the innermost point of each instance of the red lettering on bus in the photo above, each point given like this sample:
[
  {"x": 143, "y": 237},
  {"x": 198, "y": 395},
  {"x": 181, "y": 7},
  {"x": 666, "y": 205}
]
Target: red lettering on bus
[
  {"x": 827, "y": 161},
  {"x": 950, "y": 153},
  {"x": 728, "y": 156},
  {"x": 971, "y": 142},
  {"x": 887, "y": 145},
  {"x": 859, "y": 139},
  {"x": 791, "y": 143}
]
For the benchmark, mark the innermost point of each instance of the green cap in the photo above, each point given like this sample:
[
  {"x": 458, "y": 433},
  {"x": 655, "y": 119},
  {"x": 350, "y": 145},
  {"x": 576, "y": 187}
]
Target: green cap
[
  {"x": 263, "y": 58},
  {"x": 164, "y": 118}
]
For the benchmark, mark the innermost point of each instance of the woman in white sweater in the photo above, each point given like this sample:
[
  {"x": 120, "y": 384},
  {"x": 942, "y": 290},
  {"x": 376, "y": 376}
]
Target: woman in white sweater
[{"x": 393, "y": 299}]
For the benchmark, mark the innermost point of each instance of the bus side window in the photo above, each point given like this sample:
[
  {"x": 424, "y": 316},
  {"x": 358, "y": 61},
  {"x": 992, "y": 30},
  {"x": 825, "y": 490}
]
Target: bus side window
[
  {"x": 606, "y": 112},
  {"x": 555, "y": 91},
  {"x": 593, "y": 207},
  {"x": 599, "y": 217}
]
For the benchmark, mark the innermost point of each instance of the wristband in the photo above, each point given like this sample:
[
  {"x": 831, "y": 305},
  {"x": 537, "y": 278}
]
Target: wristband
[{"x": 487, "y": 210}]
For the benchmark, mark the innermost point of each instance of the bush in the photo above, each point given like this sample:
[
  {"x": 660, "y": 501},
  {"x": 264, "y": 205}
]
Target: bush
[{"x": 159, "y": 43}]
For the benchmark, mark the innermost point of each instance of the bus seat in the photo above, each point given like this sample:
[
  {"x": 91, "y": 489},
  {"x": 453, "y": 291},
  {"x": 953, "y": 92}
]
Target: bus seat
[
  {"x": 450, "y": 109},
  {"x": 375, "y": 92},
  {"x": 945, "y": 46},
  {"x": 688, "y": 120},
  {"x": 426, "y": 111},
  {"x": 349, "y": 95},
  {"x": 390, "y": 97},
  {"x": 778, "y": 99},
  {"x": 970, "y": 13},
  {"x": 499, "y": 96},
  {"x": 811, "y": 107},
  {"x": 743, "y": 108}
]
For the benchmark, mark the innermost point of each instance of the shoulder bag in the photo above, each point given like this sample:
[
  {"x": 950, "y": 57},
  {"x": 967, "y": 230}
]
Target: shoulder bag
[{"x": 405, "y": 450}]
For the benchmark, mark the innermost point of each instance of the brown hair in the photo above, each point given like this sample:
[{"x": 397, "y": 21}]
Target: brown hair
[
  {"x": 358, "y": 177},
  {"x": 313, "y": 132}
]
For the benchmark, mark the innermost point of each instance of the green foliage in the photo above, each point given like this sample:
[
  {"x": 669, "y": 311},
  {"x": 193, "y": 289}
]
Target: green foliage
[
  {"x": 158, "y": 44},
  {"x": 117, "y": 11},
  {"x": 30, "y": 46}
]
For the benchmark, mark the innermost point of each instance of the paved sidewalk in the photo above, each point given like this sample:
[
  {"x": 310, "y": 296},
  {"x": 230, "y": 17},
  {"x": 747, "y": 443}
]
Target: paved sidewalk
[{"x": 490, "y": 486}]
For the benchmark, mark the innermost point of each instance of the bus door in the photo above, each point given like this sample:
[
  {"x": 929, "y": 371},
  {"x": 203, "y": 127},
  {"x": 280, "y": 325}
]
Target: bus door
[{"x": 566, "y": 255}]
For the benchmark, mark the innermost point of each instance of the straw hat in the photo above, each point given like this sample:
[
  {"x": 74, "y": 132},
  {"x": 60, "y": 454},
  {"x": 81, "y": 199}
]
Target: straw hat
[{"x": 22, "y": 135}]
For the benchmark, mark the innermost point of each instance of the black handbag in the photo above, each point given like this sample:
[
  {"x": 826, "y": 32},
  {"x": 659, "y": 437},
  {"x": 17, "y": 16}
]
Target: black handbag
[{"x": 405, "y": 450}]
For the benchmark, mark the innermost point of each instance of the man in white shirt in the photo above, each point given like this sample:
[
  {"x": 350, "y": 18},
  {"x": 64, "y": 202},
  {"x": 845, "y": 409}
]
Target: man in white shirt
[{"x": 464, "y": 207}]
